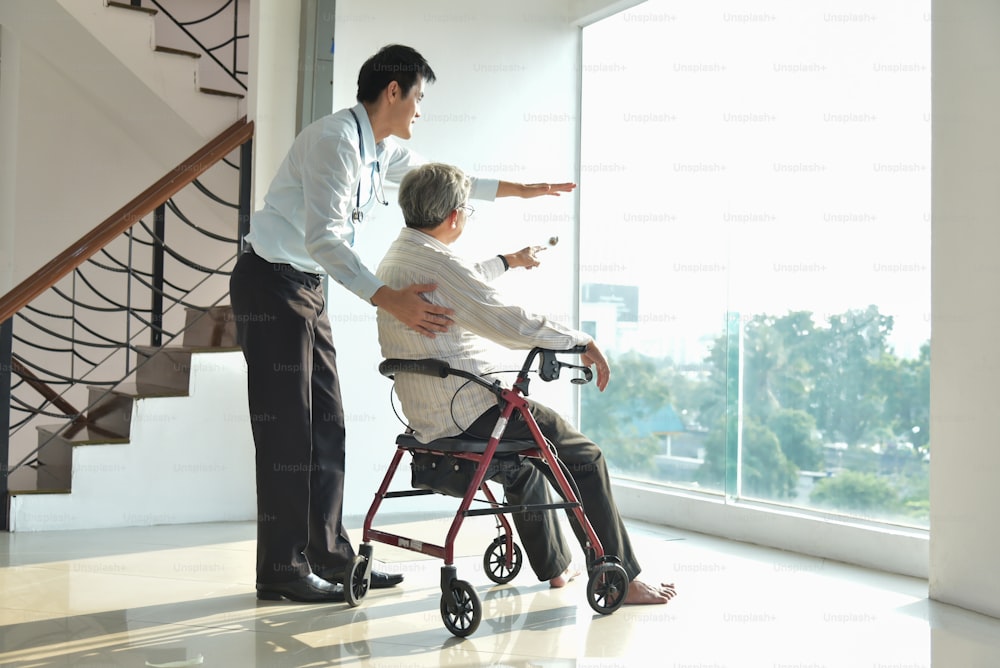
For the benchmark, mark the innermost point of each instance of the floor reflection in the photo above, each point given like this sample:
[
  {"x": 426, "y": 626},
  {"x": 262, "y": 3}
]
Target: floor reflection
[{"x": 183, "y": 596}]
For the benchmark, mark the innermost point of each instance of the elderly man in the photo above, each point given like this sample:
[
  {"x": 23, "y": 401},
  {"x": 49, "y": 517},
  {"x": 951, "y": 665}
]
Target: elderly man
[{"x": 433, "y": 199}]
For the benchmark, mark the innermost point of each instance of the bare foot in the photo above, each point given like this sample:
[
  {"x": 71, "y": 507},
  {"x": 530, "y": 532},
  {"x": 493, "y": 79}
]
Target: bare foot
[
  {"x": 640, "y": 593},
  {"x": 565, "y": 578}
]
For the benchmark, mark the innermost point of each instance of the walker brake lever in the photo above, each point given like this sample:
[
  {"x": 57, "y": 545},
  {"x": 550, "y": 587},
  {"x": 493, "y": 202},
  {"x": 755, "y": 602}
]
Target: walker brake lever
[{"x": 549, "y": 367}]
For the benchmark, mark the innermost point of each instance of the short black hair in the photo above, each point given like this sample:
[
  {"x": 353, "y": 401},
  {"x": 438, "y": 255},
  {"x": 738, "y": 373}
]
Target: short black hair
[{"x": 394, "y": 62}]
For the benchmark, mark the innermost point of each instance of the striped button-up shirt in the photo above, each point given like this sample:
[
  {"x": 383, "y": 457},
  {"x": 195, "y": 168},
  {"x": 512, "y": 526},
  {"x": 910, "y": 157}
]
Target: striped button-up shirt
[{"x": 439, "y": 407}]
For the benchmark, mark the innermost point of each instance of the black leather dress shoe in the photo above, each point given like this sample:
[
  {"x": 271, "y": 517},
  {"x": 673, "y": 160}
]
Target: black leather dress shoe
[
  {"x": 379, "y": 580},
  {"x": 310, "y": 589}
]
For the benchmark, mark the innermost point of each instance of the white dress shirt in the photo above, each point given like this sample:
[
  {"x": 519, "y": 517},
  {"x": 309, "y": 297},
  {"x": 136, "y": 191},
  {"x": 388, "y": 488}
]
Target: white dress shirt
[
  {"x": 306, "y": 220},
  {"x": 439, "y": 407}
]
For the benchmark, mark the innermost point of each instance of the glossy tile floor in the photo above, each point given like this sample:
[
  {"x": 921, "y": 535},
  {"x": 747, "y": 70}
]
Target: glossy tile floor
[{"x": 183, "y": 596}]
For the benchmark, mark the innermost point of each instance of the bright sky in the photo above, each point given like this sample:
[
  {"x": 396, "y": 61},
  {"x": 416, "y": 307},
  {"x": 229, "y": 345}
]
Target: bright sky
[{"x": 760, "y": 157}]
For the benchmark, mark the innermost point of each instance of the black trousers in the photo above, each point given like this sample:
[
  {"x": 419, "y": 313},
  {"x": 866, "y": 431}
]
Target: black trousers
[
  {"x": 297, "y": 419},
  {"x": 587, "y": 468}
]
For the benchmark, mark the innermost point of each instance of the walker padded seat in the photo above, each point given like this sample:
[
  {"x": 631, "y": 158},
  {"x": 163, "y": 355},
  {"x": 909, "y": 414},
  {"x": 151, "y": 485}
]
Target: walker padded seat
[{"x": 459, "y": 444}]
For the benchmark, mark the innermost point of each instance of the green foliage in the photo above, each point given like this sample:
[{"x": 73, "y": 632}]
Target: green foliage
[
  {"x": 857, "y": 492},
  {"x": 805, "y": 384},
  {"x": 637, "y": 389},
  {"x": 712, "y": 472},
  {"x": 915, "y": 492},
  {"x": 842, "y": 373},
  {"x": 814, "y": 382},
  {"x": 796, "y": 432},
  {"x": 848, "y": 403},
  {"x": 767, "y": 472},
  {"x": 906, "y": 385}
]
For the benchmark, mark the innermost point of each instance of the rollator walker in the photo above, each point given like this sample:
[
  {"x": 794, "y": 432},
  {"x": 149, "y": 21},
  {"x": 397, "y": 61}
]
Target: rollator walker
[{"x": 461, "y": 610}]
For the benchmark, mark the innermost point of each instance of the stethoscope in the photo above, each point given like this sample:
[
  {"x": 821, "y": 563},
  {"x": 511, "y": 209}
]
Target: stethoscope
[{"x": 358, "y": 215}]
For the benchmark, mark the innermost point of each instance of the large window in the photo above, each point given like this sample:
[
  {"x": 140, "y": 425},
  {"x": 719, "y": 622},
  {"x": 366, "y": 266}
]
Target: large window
[{"x": 755, "y": 249}]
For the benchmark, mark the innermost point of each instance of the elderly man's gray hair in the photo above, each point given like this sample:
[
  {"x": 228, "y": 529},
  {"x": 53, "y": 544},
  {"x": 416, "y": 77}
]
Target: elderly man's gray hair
[{"x": 430, "y": 192}]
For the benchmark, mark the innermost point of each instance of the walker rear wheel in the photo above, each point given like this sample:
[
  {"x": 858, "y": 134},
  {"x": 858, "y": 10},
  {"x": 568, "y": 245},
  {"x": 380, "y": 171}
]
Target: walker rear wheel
[{"x": 495, "y": 561}]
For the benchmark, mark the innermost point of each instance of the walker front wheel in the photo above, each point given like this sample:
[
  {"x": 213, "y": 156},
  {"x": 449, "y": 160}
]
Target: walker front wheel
[
  {"x": 356, "y": 580},
  {"x": 461, "y": 610}
]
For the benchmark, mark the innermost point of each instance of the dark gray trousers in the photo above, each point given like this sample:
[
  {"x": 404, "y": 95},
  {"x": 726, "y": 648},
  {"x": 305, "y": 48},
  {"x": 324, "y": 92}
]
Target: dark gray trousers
[
  {"x": 297, "y": 419},
  {"x": 543, "y": 541}
]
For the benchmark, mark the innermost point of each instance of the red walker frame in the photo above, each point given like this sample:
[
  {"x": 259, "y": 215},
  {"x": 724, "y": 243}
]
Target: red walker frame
[{"x": 461, "y": 610}]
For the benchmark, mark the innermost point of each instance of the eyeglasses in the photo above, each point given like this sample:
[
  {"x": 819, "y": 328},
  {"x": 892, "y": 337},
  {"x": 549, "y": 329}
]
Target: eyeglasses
[{"x": 468, "y": 210}]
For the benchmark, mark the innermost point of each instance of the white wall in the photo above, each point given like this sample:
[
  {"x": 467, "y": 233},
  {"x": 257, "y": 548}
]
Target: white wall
[
  {"x": 585, "y": 12},
  {"x": 70, "y": 172},
  {"x": 88, "y": 136},
  {"x": 965, "y": 358},
  {"x": 503, "y": 106},
  {"x": 274, "y": 62},
  {"x": 10, "y": 53}
]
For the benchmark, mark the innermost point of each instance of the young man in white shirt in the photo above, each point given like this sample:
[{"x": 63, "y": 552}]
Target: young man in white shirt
[
  {"x": 434, "y": 202},
  {"x": 327, "y": 185}
]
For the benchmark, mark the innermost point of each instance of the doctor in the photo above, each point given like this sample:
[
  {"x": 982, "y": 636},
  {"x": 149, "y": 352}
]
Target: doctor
[{"x": 329, "y": 182}]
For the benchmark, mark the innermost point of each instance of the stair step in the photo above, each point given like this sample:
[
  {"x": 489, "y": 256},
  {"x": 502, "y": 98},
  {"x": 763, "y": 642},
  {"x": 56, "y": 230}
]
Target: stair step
[
  {"x": 214, "y": 328},
  {"x": 164, "y": 367},
  {"x": 53, "y": 449},
  {"x": 74, "y": 435},
  {"x": 166, "y": 371},
  {"x": 109, "y": 412},
  {"x": 43, "y": 480},
  {"x": 177, "y": 52},
  {"x": 24, "y": 479},
  {"x": 54, "y": 471},
  {"x": 146, "y": 391},
  {"x": 124, "y": 5},
  {"x": 109, "y": 420},
  {"x": 224, "y": 93}
]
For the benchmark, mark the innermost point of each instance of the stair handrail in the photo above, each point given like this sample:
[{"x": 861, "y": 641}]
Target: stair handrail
[
  {"x": 124, "y": 218},
  {"x": 155, "y": 199}
]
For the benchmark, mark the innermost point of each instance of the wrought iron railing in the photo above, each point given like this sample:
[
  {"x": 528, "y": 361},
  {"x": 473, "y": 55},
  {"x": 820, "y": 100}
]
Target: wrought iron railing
[
  {"x": 223, "y": 18},
  {"x": 76, "y": 329}
]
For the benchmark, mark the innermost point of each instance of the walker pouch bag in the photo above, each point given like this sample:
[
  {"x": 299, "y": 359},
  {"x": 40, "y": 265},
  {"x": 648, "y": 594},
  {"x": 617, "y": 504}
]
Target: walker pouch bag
[{"x": 450, "y": 475}]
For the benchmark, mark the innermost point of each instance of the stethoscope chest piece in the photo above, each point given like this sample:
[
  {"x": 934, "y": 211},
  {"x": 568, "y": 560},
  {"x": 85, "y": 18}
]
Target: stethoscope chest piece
[{"x": 357, "y": 216}]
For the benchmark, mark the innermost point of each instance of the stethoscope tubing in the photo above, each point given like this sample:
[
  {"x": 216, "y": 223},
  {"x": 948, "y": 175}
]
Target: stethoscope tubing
[{"x": 358, "y": 215}]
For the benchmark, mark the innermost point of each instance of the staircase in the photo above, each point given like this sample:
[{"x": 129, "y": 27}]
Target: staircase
[
  {"x": 172, "y": 446},
  {"x": 171, "y": 442},
  {"x": 173, "y": 74}
]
